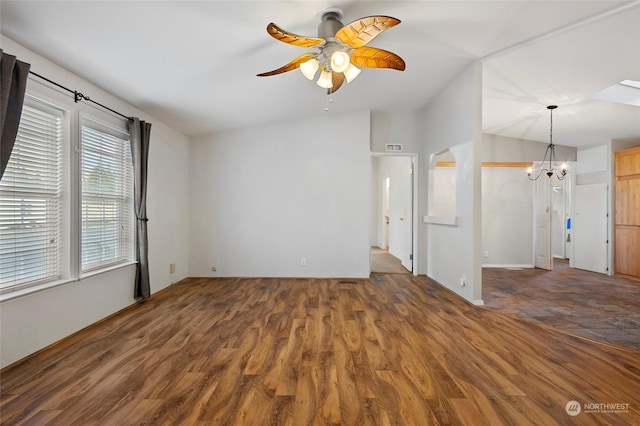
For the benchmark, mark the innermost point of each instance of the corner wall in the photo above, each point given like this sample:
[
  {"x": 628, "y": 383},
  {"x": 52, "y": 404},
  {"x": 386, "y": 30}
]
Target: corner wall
[
  {"x": 32, "y": 322},
  {"x": 452, "y": 120}
]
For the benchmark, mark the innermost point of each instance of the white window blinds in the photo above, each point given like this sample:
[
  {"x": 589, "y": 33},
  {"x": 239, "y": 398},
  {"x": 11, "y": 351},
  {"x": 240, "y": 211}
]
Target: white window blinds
[
  {"x": 30, "y": 202},
  {"x": 107, "y": 197}
]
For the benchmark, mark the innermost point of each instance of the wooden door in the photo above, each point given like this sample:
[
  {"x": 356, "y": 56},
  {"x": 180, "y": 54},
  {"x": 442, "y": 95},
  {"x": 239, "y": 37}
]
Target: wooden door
[{"x": 627, "y": 212}]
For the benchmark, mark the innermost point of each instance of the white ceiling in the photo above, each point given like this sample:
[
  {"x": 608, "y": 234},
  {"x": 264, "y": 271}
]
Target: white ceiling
[{"x": 193, "y": 65}]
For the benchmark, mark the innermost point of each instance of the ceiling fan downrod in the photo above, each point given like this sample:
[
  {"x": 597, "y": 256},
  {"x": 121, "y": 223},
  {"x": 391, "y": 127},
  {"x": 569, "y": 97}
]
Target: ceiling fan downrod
[{"x": 330, "y": 23}]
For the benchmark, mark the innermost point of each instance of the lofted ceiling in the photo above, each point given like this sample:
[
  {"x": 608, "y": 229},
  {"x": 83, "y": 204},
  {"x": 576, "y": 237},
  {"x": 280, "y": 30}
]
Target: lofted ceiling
[{"x": 193, "y": 65}]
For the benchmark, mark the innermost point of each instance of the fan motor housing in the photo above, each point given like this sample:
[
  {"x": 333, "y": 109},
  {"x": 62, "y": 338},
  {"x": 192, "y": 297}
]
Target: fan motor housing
[{"x": 330, "y": 23}]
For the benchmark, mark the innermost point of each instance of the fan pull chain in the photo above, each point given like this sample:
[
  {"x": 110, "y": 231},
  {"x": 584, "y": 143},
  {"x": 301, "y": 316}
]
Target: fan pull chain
[{"x": 329, "y": 101}]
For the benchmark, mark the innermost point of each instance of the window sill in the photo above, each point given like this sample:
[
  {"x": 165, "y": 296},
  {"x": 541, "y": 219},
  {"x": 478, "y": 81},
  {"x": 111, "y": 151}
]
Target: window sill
[
  {"x": 104, "y": 270},
  {"x": 11, "y": 295},
  {"x": 442, "y": 220}
]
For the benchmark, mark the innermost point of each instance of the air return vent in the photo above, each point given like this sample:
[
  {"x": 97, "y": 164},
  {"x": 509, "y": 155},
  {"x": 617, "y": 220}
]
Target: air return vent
[{"x": 394, "y": 147}]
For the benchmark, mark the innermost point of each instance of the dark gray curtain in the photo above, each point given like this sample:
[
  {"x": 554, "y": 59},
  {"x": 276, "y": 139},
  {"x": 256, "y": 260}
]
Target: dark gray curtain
[
  {"x": 139, "y": 133},
  {"x": 13, "y": 82}
]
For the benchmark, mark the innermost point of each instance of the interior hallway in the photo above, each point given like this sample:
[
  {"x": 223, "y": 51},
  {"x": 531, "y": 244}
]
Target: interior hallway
[
  {"x": 585, "y": 303},
  {"x": 382, "y": 262}
]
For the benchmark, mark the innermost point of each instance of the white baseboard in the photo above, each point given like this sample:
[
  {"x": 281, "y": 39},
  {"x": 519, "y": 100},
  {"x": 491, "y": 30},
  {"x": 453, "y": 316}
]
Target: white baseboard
[{"x": 500, "y": 265}]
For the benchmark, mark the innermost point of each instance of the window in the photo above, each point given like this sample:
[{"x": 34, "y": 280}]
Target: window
[
  {"x": 107, "y": 197},
  {"x": 31, "y": 201}
]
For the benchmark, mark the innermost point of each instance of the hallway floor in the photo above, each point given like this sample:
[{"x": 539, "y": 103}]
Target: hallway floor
[
  {"x": 585, "y": 303},
  {"x": 382, "y": 262}
]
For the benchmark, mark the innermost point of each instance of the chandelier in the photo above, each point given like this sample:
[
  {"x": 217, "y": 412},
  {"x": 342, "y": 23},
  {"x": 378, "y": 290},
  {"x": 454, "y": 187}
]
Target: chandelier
[{"x": 550, "y": 166}]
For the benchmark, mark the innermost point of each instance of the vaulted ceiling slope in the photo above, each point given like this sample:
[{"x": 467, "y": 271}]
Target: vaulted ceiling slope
[{"x": 193, "y": 65}]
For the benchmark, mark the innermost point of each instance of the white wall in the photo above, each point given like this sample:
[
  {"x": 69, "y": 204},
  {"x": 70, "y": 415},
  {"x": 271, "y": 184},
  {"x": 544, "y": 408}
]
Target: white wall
[
  {"x": 453, "y": 120},
  {"x": 593, "y": 165},
  {"x": 376, "y": 232},
  {"x": 444, "y": 192},
  {"x": 263, "y": 198},
  {"x": 397, "y": 127},
  {"x": 503, "y": 149},
  {"x": 507, "y": 217},
  {"x": 32, "y": 322}
]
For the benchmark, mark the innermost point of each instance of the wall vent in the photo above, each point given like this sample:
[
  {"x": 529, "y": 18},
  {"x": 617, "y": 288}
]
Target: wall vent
[{"x": 394, "y": 147}]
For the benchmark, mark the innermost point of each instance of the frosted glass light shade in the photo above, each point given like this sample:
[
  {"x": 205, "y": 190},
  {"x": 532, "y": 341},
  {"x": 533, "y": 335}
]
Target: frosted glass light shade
[
  {"x": 325, "y": 81},
  {"x": 351, "y": 73},
  {"x": 339, "y": 61},
  {"x": 309, "y": 68}
]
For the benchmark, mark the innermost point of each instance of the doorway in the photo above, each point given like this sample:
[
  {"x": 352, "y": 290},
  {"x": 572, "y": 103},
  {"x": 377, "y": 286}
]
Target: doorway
[
  {"x": 393, "y": 216},
  {"x": 553, "y": 206}
]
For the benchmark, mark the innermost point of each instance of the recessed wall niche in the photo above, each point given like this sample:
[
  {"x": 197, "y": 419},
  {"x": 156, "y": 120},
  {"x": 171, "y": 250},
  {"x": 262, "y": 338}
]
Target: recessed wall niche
[{"x": 442, "y": 188}]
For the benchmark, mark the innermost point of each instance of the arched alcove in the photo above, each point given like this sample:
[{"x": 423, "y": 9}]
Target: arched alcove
[{"x": 443, "y": 178}]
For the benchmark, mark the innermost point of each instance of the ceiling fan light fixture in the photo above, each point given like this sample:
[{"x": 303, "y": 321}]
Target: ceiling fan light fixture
[
  {"x": 338, "y": 47},
  {"x": 325, "y": 81},
  {"x": 351, "y": 73},
  {"x": 309, "y": 68},
  {"x": 339, "y": 61}
]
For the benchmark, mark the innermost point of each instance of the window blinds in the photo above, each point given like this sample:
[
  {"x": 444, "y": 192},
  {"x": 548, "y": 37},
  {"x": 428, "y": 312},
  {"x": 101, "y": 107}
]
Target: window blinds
[
  {"x": 30, "y": 202},
  {"x": 107, "y": 198}
]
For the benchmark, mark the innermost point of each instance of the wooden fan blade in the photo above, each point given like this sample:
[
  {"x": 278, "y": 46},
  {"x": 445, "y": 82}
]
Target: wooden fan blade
[
  {"x": 372, "y": 57},
  {"x": 291, "y": 65},
  {"x": 337, "y": 78},
  {"x": 291, "y": 38},
  {"x": 363, "y": 30}
]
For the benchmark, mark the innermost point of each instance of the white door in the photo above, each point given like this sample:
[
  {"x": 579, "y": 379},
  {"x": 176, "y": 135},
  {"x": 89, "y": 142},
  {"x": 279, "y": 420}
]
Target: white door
[
  {"x": 542, "y": 206},
  {"x": 589, "y": 235},
  {"x": 401, "y": 211},
  {"x": 385, "y": 212}
]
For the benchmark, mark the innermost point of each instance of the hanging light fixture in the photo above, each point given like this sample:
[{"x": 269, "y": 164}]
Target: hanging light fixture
[
  {"x": 553, "y": 168},
  {"x": 339, "y": 49}
]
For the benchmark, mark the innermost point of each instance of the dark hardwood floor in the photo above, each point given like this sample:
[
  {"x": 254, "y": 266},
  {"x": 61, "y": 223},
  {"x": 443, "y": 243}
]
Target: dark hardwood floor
[
  {"x": 392, "y": 349},
  {"x": 586, "y": 303}
]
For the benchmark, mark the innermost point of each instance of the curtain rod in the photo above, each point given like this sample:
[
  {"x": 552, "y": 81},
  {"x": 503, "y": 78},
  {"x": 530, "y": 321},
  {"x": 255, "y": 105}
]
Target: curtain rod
[{"x": 77, "y": 96}]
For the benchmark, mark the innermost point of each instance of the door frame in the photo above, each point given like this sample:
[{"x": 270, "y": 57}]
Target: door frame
[
  {"x": 414, "y": 205},
  {"x": 542, "y": 188}
]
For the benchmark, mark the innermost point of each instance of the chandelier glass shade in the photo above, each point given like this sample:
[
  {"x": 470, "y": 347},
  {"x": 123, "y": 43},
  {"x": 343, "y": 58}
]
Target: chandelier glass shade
[{"x": 549, "y": 165}]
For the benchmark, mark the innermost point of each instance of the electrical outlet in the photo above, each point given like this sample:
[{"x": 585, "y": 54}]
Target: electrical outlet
[
  {"x": 463, "y": 280},
  {"x": 172, "y": 268},
  {"x": 214, "y": 269},
  {"x": 486, "y": 254},
  {"x": 303, "y": 261}
]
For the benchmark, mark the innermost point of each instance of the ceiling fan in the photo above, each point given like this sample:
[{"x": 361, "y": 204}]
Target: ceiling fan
[{"x": 340, "y": 49}]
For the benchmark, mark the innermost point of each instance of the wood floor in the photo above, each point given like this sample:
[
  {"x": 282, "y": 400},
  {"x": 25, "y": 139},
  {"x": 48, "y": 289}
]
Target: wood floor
[
  {"x": 382, "y": 262},
  {"x": 392, "y": 349},
  {"x": 593, "y": 305}
]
